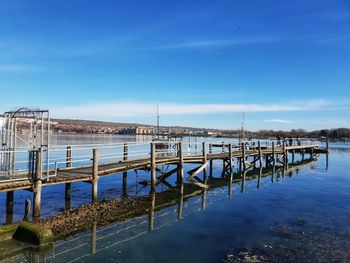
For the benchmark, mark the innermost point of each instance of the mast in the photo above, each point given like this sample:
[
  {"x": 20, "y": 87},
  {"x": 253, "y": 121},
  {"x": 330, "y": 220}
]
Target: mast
[
  {"x": 158, "y": 120},
  {"x": 241, "y": 135}
]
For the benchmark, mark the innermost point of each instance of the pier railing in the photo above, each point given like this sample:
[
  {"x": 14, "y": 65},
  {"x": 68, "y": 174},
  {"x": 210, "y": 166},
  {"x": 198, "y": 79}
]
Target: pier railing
[{"x": 20, "y": 164}]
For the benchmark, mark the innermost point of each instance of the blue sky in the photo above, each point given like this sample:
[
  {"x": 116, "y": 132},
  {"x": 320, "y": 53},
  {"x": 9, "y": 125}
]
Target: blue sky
[{"x": 285, "y": 63}]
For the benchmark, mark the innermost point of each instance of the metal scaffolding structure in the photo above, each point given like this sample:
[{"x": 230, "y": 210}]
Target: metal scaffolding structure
[{"x": 24, "y": 130}]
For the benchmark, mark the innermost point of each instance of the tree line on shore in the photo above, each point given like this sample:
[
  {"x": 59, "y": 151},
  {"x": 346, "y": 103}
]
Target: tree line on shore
[{"x": 331, "y": 134}]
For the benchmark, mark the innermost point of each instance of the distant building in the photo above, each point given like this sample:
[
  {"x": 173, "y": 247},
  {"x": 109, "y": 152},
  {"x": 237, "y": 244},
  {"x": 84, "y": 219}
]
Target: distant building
[
  {"x": 137, "y": 131},
  {"x": 2, "y": 122},
  {"x": 144, "y": 131}
]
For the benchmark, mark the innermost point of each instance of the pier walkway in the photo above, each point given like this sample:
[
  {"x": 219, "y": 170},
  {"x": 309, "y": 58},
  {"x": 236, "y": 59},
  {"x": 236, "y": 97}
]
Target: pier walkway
[{"x": 82, "y": 163}]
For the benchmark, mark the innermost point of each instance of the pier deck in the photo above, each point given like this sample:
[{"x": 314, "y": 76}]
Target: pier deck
[{"x": 246, "y": 157}]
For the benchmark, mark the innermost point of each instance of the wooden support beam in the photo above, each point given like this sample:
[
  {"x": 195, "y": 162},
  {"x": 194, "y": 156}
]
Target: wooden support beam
[
  {"x": 68, "y": 186},
  {"x": 194, "y": 169},
  {"x": 260, "y": 156},
  {"x": 284, "y": 153},
  {"x": 243, "y": 157},
  {"x": 67, "y": 195},
  {"x": 211, "y": 161},
  {"x": 69, "y": 156},
  {"x": 26, "y": 216},
  {"x": 198, "y": 171},
  {"x": 125, "y": 174},
  {"x": 204, "y": 152},
  {"x": 230, "y": 156},
  {"x": 153, "y": 166},
  {"x": 273, "y": 155},
  {"x": 37, "y": 186},
  {"x": 95, "y": 176},
  {"x": 180, "y": 173},
  {"x": 164, "y": 176}
]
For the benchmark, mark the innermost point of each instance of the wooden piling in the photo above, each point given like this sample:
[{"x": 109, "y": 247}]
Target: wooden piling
[
  {"x": 69, "y": 156},
  {"x": 37, "y": 186},
  {"x": 152, "y": 210},
  {"x": 93, "y": 238},
  {"x": 273, "y": 155},
  {"x": 302, "y": 154},
  {"x": 94, "y": 175},
  {"x": 243, "y": 157},
  {"x": 230, "y": 156},
  {"x": 125, "y": 174},
  {"x": 204, "y": 152},
  {"x": 9, "y": 207},
  {"x": 180, "y": 172},
  {"x": 211, "y": 161},
  {"x": 260, "y": 156},
  {"x": 68, "y": 185},
  {"x": 26, "y": 210},
  {"x": 284, "y": 153},
  {"x": 153, "y": 166}
]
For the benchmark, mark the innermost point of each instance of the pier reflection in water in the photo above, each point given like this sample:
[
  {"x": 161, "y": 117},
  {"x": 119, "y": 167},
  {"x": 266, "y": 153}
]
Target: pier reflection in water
[{"x": 189, "y": 200}]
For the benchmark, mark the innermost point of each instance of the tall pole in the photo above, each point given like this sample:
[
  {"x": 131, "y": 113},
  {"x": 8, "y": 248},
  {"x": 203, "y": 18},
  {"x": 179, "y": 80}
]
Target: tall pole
[
  {"x": 158, "y": 120},
  {"x": 153, "y": 167}
]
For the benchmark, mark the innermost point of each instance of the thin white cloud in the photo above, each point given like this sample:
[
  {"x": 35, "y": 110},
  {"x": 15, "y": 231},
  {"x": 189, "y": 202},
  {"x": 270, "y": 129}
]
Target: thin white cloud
[
  {"x": 219, "y": 43},
  {"x": 17, "y": 68},
  {"x": 136, "y": 109},
  {"x": 278, "y": 121}
]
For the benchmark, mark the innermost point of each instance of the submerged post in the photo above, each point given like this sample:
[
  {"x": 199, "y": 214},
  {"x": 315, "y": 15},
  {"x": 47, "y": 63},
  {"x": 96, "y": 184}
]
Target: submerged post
[
  {"x": 211, "y": 161},
  {"x": 94, "y": 175},
  {"x": 37, "y": 185},
  {"x": 153, "y": 166},
  {"x": 125, "y": 174}
]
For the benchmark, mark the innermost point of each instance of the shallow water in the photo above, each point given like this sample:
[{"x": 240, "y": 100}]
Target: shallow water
[{"x": 300, "y": 216}]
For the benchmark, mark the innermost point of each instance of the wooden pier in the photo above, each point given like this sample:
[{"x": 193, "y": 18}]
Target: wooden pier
[{"x": 159, "y": 153}]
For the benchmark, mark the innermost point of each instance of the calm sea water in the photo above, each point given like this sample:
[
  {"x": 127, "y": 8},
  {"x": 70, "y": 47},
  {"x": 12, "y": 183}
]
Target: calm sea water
[{"x": 299, "y": 216}]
